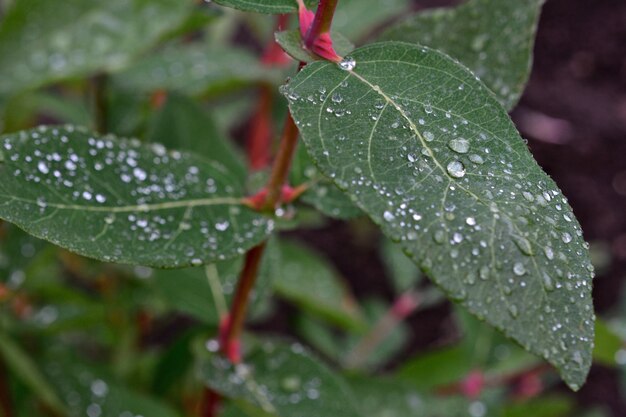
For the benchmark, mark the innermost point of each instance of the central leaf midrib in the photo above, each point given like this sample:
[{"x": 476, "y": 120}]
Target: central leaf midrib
[{"x": 168, "y": 205}]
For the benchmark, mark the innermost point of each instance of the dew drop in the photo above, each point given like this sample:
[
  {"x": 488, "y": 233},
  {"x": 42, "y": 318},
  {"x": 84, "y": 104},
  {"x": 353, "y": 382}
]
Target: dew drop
[
  {"x": 548, "y": 252},
  {"x": 43, "y": 167},
  {"x": 470, "y": 221},
  {"x": 140, "y": 174},
  {"x": 336, "y": 98},
  {"x": 388, "y": 216},
  {"x": 519, "y": 269},
  {"x": 548, "y": 283},
  {"x": 513, "y": 311},
  {"x": 523, "y": 245},
  {"x": 347, "y": 64},
  {"x": 484, "y": 273},
  {"x": 456, "y": 169},
  {"x": 429, "y": 136},
  {"x": 566, "y": 237},
  {"x": 460, "y": 145},
  {"x": 439, "y": 236},
  {"x": 477, "y": 159}
]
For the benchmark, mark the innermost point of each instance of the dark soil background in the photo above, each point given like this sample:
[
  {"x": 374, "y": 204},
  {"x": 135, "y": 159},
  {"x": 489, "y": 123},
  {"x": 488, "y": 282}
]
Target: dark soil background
[{"x": 573, "y": 114}]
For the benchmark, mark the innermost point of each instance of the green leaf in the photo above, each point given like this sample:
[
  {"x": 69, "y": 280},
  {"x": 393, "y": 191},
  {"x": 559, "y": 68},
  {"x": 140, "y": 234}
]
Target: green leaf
[
  {"x": 493, "y": 38},
  {"x": 21, "y": 364},
  {"x": 90, "y": 391},
  {"x": 291, "y": 42},
  {"x": 546, "y": 406},
  {"x": 386, "y": 397},
  {"x": 119, "y": 201},
  {"x": 321, "y": 192},
  {"x": 308, "y": 280},
  {"x": 278, "y": 379},
  {"x": 265, "y": 6},
  {"x": 440, "y": 367},
  {"x": 356, "y": 18},
  {"x": 183, "y": 124},
  {"x": 205, "y": 292},
  {"x": 44, "y": 42},
  {"x": 194, "y": 69},
  {"x": 607, "y": 344},
  {"x": 429, "y": 154},
  {"x": 403, "y": 271}
]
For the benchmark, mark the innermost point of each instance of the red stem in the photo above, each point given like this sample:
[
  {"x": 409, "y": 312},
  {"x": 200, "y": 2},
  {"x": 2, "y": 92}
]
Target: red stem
[{"x": 322, "y": 22}]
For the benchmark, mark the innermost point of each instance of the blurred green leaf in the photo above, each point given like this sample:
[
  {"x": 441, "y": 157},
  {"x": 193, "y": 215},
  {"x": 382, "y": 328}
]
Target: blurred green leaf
[
  {"x": 403, "y": 271},
  {"x": 120, "y": 201},
  {"x": 88, "y": 389},
  {"x": 308, "y": 280},
  {"x": 183, "y": 124},
  {"x": 443, "y": 366},
  {"x": 545, "y": 406},
  {"x": 278, "y": 379},
  {"x": 607, "y": 344},
  {"x": 195, "y": 69},
  {"x": 47, "y": 41},
  {"x": 356, "y": 18},
  {"x": 25, "y": 368},
  {"x": 493, "y": 38}
]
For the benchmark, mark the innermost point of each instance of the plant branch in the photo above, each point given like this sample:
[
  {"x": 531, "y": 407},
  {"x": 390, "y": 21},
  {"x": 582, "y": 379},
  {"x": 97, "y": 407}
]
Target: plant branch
[
  {"x": 322, "y": 22},
  {"x": 280, "y": 169}
]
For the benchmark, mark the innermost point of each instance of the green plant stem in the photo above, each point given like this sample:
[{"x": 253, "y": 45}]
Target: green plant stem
[
  {"x": 99, "y": 105},
  {"x": 403, "y": 307},
  {"x": 322, "y": 22}
]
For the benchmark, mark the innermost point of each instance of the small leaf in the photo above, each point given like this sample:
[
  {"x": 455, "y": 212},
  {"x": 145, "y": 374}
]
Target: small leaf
[
  {"x": 194, "y": 70},
  {"x": 44, "y": 42},
  {"x": 278, "y": 379},
  {"x": 183, "y": 124},
  {"x": 21, "y": 364},
  {"x": 607, "y": 344},
  {"x": 265, "y": 6},
  {"x": 291, "y": 42},
  {"x": 308, "y": 280},
  {"x": 119, "y": 201},
  {"x": 432, "y": 158},
  {"x": 493, "y": 38}
]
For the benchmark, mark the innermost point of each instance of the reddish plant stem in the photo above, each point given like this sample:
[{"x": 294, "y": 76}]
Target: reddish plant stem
[
  {"x": 282, "y": 163},
  {"x": 322, "y": 22},
  {"x": 260, "y": 135},
  {"x": 233, "y": 327}
]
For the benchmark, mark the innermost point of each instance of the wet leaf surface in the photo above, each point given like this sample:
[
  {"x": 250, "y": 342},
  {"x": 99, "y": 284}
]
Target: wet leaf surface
[
  {"x": 430, "y": 155},
  {"x": 120, "y": 201}
]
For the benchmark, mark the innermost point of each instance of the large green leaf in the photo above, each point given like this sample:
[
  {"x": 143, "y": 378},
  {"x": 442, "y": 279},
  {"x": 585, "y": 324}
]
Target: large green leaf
[
  {"x": 430, "y": 155},
  {"x": 493, "y": 38},
  {"x": 183, "y": 124},
  {"x": 265, "y": 6},
  {"x": 47, "y": 41},
  {"x": 279, "y": 379},
  {"x": 119, "y": 201},
  {"x": 194, "y": 69}
]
